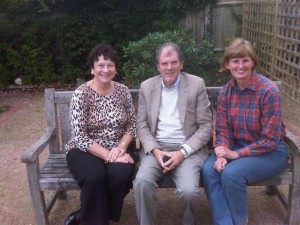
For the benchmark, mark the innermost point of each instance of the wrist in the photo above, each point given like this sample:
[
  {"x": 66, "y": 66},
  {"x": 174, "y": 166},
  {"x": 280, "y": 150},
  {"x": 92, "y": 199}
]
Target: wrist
[
  {"x": 155, "y": 150},
  {"x": 123, "y": 145},
  {"x": 236, "y": 155},
  {"x": 184, "y": 152}
]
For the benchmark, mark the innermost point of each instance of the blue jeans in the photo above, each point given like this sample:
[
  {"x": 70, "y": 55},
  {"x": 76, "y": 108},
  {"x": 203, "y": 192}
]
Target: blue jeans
[{"x": 227, "y": 191}]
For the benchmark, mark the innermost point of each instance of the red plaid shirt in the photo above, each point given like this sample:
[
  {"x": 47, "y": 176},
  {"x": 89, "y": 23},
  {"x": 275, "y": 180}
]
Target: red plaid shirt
[{"x": 253, "y": 114}]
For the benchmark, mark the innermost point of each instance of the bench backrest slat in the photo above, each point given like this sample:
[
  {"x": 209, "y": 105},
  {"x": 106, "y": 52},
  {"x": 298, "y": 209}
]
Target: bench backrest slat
[{"x": 65, "y": 123}]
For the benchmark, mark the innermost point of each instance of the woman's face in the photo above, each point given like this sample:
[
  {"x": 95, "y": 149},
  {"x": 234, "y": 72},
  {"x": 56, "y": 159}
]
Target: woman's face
[
  {"x": 240, "y": 68},
  {"x": 104, "y": 70}
]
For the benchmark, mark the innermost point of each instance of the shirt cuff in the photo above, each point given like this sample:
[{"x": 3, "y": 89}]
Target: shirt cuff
[
  {"x": 150, "y": 152},
  {"x": 188, "y": 149}
]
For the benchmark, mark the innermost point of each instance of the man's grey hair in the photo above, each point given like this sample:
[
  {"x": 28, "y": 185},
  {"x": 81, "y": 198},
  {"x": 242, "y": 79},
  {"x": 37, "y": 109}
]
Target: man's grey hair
[{"x": 172, "y": 47}]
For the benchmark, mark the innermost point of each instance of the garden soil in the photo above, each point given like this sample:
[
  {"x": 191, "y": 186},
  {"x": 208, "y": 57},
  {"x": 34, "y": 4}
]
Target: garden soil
[{"x": 25, "y": 122}]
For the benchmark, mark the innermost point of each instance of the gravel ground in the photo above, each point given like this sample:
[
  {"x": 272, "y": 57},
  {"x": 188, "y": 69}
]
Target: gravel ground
[{"x": 24, "y": 123}]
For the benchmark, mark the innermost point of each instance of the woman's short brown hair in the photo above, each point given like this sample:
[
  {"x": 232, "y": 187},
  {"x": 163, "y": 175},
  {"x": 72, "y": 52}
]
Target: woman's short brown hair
[
  {"x": 107, "y": 51},
  {"x": 238, "y": 48}
]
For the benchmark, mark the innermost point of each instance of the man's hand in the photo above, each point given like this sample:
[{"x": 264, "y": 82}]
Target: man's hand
[
  {"x": 175, "y": 159},
  {"x": 160, "y": 155}
]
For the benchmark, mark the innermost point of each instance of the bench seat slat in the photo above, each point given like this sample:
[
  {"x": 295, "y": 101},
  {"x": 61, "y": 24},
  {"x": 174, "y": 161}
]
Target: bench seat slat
[
  {"x": 55, "y": 173},
  {"x": 58, "y": 184},
  {"x": 55, "y": 170}
]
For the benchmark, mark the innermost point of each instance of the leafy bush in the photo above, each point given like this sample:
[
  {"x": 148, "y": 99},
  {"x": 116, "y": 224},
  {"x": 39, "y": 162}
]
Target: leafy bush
[
  {"x": 4, "y": 108},
  {"x": 140, "y": 55},
  {"x": 209, "y": 65},
  {"x": 187, "y": 5},
  {"x": 53, "y": 46},
  {"x": 48, "y": 41},
  {"x": 33, "y": 65},
  {"x": 7, "y": 79}
]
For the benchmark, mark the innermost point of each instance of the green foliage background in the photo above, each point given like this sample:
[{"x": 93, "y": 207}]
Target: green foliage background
[
  {"x": 199, "y": 60},
  {"x": 45, "y": 43}
]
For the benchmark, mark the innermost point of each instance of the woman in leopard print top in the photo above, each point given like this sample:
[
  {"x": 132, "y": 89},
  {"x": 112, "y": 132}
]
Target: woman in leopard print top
[
  {"x": 103, "y": 119},
  {"x": 103, "y": 125}
]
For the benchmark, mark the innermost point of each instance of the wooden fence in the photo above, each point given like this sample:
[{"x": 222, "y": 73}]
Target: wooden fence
[
  {"x": 273, "y": 27},
  {"x": 220, "y": 23}
]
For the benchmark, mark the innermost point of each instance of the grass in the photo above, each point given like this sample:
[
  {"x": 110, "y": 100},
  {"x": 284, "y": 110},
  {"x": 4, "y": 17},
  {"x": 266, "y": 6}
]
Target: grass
[{"x": 4, "y": 108}]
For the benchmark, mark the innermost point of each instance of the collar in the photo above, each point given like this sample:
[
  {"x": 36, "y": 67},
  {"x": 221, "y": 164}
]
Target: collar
[
  {"x": 251, "y": 84},
  {"x": 175, "y": 86}
]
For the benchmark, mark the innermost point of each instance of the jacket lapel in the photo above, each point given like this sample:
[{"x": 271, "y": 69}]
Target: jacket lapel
[
  {"x": 155, "y": 103},
  {"x": 183, "y": 92}
]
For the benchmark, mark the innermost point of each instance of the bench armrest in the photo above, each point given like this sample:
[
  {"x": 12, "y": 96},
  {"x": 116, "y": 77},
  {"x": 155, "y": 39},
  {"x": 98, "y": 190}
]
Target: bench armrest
[
  {"x": 31, "y": 154},
  {"x": 293, "y": 142}
]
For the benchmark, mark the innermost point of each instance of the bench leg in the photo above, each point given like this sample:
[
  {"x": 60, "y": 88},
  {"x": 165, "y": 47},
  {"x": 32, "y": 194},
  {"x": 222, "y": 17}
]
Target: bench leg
[
  {"x": 293, "y": 211},
  {"x": 62, "y": 195},
  {"x": 270, "y": 190},
  {"x": 37, "y": 196}
]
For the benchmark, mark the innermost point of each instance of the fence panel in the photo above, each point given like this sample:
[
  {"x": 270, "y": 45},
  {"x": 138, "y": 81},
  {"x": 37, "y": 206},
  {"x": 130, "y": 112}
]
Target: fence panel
[
  {"x": 273, "y": 27},
  {"x": 221, "y": 23},
  {"x": 226, "y": 23},
  {"x": 287, "y": 44}
]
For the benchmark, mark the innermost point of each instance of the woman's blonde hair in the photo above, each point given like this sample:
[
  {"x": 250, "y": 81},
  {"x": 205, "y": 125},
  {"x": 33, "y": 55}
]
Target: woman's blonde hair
[{"x": 238, "y": 48}]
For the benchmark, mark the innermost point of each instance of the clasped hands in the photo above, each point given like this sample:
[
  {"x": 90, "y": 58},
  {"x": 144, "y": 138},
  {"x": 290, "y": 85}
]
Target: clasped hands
[
  {"x": 118, "y": 154},
  {"x": 175, "y": 159},
  {"x": 223, "y": 153}
]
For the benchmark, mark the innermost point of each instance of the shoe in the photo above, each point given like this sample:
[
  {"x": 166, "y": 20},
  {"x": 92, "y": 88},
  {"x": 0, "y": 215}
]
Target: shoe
[{"x": 71, "y": 219}]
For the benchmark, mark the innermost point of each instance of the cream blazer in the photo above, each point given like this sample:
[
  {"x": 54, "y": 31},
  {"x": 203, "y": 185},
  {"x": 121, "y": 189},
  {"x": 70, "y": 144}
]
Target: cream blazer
[{"x": 194, "y": 112}]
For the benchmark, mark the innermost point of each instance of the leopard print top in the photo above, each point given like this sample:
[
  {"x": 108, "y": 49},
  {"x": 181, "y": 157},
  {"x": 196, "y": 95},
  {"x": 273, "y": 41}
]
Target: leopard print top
[{"x": 103, "y": 119}]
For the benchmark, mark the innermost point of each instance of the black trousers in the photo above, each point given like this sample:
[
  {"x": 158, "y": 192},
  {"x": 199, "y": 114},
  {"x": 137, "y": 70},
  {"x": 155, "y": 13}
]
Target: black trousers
[{"x": 103, "y": 186}]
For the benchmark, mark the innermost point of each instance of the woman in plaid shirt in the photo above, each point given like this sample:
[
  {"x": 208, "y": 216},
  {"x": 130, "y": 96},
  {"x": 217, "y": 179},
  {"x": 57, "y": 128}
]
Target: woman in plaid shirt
[{"x": 249, "y": 136}]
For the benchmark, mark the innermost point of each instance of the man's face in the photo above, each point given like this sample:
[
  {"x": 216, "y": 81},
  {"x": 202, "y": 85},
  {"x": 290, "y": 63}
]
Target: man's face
[{"x": 169, "y": 66}]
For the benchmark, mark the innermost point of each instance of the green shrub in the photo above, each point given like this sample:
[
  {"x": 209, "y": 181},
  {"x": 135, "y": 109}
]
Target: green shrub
[
  {"x": 43, "y": 42},
  {"x": 25, "y": 51},
  {"x": 5, "y": 74},
  {"x": 140, "y": 55},
  {"x": 4, "y": 108},
  {"x": 209, "y": 65},
  {"x": 33, "y": 65}
]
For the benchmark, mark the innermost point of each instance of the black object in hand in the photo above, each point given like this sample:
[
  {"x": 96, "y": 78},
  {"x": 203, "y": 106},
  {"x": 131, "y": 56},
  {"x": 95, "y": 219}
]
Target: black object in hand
[{"x": 166, "y": 158}]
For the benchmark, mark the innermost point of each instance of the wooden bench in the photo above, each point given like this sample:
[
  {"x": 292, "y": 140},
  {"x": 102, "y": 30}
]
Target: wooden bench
[{"x": 53, "y": 174}]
